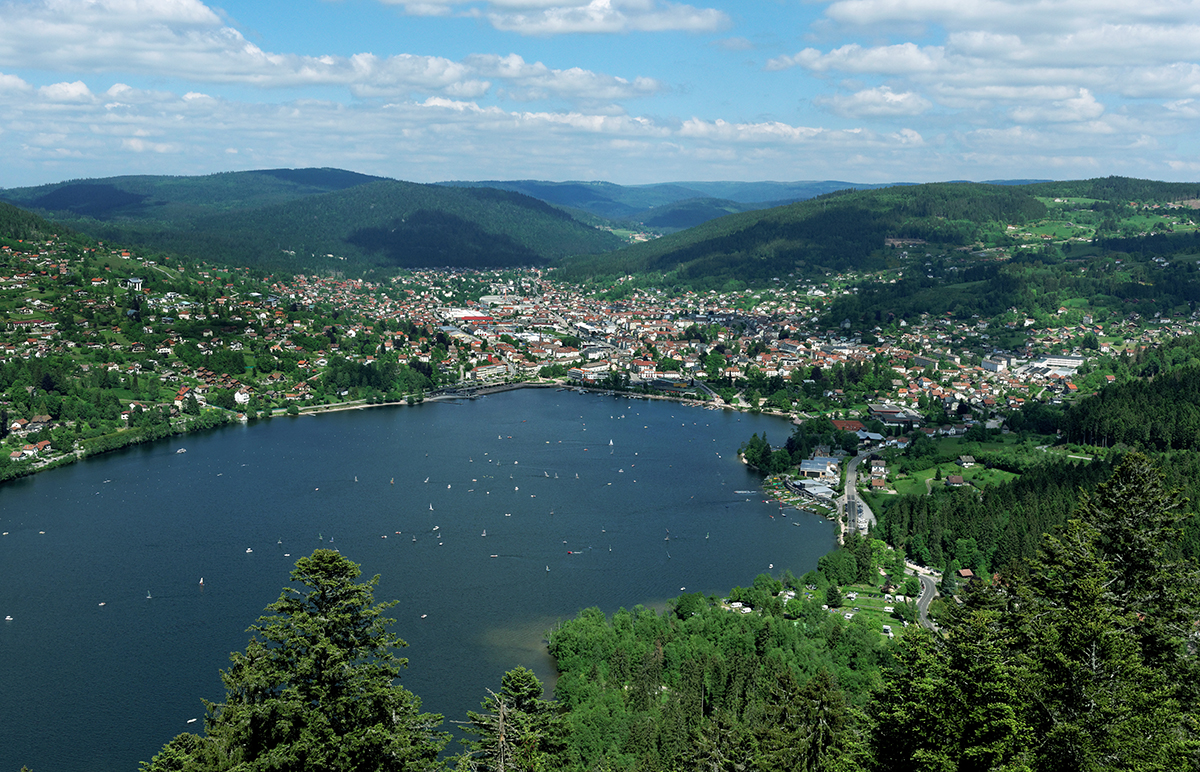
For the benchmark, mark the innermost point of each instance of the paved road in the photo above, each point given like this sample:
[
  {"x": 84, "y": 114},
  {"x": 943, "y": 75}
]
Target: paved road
[
  {"x": 928, "y": 592},
  {"x": 856, "y": 510}
]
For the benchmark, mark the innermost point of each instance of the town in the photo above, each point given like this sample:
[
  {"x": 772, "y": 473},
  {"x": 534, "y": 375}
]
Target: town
[{"x": 102, "y": 345}]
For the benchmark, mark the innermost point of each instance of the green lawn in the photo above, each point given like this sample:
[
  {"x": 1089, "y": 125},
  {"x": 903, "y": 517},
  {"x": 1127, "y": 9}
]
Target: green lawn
[
  {"x": 869, "y": 604},
  {"x": 979, "y": 476}
]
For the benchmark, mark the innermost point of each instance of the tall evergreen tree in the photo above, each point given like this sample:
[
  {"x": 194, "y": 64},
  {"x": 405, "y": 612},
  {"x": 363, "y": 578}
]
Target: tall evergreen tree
[
  {"x": 519, "y": 732},
  {"x": 315, "y": 689}
]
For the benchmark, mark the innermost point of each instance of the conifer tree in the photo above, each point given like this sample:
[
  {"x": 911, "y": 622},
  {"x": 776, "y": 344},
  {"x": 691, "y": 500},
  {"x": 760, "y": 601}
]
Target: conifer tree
[{"x": 315, "y": 689}]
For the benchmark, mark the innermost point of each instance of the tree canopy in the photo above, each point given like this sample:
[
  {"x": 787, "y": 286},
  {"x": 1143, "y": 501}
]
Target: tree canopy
[{"x": 315, "y": 688}]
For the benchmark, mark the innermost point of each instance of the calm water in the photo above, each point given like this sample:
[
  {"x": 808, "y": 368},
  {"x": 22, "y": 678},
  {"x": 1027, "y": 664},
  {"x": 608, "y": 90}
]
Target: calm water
[{"x": 588, "y": 487}]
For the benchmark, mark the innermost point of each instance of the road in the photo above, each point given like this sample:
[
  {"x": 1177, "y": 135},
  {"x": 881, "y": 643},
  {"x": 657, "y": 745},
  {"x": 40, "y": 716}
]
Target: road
[
  {"x": 928, "y": 592},
  {"x": 856, "y": 510}
]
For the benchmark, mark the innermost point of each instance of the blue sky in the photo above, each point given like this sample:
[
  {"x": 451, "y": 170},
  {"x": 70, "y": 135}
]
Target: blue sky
[{"x": 630, "y": 91}]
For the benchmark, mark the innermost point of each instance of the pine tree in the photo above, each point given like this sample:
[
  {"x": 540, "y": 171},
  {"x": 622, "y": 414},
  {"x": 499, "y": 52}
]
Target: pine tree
[{"x": 315, "y": 688}]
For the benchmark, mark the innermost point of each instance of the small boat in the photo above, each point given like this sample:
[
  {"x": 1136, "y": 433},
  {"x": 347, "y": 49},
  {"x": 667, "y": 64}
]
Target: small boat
[
  {"x": 102, "y": 603},
  {"x": 248, "y": 550},
  {"x": 484, "y": 532},
  {"x": 147, "y": 595},
  {"x": 9, "y": 617},
  {"x": 355, "y": 478},
  {"x": 547, "y": 569},
  {"x": 192, "y": 720},
  {"x": 181, "y": 450},
  {"x": 431, "y": 507},
  {"x": 393, "y": 481},
  {"x": 202, "y": 581},
  {"x": 426, "y": 479}
]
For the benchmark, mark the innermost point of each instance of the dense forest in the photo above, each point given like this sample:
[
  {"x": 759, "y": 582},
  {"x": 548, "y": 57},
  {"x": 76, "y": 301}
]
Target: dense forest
[
  {"x": 171, "y": 199},
  {"x": 1118, "y": 189},
  {"x": 835, "y": 231},
  {"x": 321, "y": 220},
  {"x": 18, "y": 225},
  {"x": 1036, "y": 281},
  {"x": 999, "y": 528}
]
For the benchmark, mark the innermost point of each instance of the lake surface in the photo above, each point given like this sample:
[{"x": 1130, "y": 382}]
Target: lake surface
[{"x": 577, "y": 494}]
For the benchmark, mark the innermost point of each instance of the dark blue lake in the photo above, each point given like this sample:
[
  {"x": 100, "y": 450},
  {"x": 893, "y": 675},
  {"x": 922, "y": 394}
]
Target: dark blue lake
[{"x": 577, "y": 494}]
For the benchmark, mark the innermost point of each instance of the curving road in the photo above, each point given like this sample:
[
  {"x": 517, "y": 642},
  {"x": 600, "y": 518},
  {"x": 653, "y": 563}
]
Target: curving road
[{"x": 928, "y": 593}]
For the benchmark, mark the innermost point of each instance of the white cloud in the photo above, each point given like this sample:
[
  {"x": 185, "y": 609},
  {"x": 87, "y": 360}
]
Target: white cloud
[
  {"x": 609, "y": 16},
  {"x": 184, "y": 39},
  {"x": 13, "y": 83},
  {"x": 67, "y": 92},
  {"x": 1094, "y": 70},
  {"x": 1019, "y": 16},
  {"x": 138, "y": 145},
  {"x": 534, "y": 80},
  {"x": 1083, "y": 107},
  {"x": 439, "y": 137},
  {"x": 557, "y": 17},
  {"x": 877, "y": 103},
  {"x": 775, "y": 132},
  {"x": 900, "y": 59}
]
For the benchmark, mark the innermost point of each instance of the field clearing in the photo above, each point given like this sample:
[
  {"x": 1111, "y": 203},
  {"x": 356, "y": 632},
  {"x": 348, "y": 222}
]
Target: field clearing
[{"x": 869, "y": 605}]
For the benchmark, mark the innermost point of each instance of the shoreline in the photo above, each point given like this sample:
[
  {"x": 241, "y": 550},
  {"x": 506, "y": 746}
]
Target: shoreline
[{"x": 78, "y": 454}]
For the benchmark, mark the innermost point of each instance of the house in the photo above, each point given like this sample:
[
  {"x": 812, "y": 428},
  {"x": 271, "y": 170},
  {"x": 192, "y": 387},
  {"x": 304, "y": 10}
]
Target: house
[
  {"x": 966, "y": 462},
  {"x": 955, "y": 481},
  {"x": 818, "y": 469}
]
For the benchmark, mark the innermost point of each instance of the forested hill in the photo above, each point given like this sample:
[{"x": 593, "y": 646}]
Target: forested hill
[
  {"x": 837, "y": 231},
  {"x": 400, "y": 224},
  {"x": 18, "y": 225},
  {"x": 1119, "y": 190},
  {"x": 378, "y": 224},
  {"x": 172, "y": 199},
  {"x": 643, "y": 203}
]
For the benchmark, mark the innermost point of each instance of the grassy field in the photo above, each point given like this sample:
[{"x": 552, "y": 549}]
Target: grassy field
[
  {"x": 918, "y": 483},
  {"x": 868, "y": 604}
]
